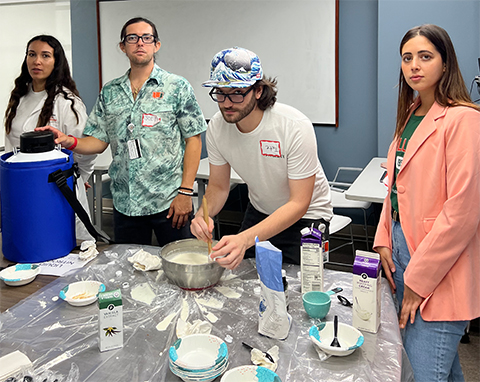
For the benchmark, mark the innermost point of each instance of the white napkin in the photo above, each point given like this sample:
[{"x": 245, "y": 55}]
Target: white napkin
[
  {"x": 88, "y": 250},
  {"x": 145, "y": 261},
  {"x": 196, "y": 327},
  {"x": 259, "y": 358}
]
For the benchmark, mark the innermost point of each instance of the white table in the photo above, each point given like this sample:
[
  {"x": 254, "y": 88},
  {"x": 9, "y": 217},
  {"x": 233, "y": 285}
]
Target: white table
[
  {"x": 56, "y": 336},
  {"x": 368, "y": 186},
  {"x": 203, "y": 174},
  {"x": 102, "y": 164}
]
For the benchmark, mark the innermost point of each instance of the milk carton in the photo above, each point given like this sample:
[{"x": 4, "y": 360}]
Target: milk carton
[
  {"x": 311, "y": 260},
  {"x": 110, "y": 320},
  {"x": 367, "y": 271}
]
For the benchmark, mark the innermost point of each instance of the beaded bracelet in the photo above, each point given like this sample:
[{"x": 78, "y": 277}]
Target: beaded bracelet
[
  {"x": 185, "y": 193},
  {"x": 74, "y": 143}
]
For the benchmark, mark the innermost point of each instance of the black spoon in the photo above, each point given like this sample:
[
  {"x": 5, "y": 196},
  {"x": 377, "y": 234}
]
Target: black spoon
[
  {"x": 335, "y": 342},
  {"x": 344, "y": 301}
]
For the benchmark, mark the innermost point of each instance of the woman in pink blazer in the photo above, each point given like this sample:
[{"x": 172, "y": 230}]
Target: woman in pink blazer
[{"x": 428, "y": 236}]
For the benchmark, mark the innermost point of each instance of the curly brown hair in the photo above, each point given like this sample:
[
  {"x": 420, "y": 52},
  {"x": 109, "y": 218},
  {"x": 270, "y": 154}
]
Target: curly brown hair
[
  {"x": 269, "y": 92},
  {"x": 59, "y": 80}
]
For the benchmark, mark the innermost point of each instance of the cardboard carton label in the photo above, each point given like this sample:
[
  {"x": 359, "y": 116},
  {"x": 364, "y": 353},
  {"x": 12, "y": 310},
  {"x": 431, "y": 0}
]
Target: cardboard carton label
[
  {"x": 110, "y": 320},
  {"x": 366, "y": 291},
  {"x": 311, "y": 263}
]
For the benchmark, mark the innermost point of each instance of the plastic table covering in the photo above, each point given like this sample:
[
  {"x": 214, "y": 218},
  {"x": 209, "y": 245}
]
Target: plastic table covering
[{"x": 62, "y": 340}]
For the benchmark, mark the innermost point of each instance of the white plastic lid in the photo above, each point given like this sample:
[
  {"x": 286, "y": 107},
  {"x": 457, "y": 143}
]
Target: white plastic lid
[
  {"x": 284, "y": 273},
  {"x": 37, "y": 157},
  {"x": 305, "y": 231}
]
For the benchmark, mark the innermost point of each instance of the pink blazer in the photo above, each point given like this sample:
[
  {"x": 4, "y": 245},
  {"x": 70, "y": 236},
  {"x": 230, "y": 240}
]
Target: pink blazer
[{"x": 439, "y": 202}]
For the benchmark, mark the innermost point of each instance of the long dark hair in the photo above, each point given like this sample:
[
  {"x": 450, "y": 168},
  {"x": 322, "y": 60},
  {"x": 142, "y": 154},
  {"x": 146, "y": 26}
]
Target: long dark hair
[
  {"x": 451, "y": 89},
  {"x": 59, "y": 79}
]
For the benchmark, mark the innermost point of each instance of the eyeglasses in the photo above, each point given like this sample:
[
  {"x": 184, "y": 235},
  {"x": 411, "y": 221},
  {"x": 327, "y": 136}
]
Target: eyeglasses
[
  {"x": 133, "y": 38},
  {"x": 234, "y": 97}
]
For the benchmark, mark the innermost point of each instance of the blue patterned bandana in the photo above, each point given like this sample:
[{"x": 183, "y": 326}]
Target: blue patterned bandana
[{"x": 234, "y": 68}]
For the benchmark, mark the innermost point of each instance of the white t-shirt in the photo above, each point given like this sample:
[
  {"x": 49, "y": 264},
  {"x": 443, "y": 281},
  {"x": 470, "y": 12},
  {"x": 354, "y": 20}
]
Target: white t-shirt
[
  {"x": 64, "y": 119},
  {"x": 282, "y": 147},
  {"x": 28, "y": 104}
]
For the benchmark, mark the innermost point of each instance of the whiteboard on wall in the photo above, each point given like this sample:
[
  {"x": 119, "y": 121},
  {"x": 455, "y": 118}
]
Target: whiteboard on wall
[
  {"x": 295, "y": 40},
  {"x": 20, "y": 22}
]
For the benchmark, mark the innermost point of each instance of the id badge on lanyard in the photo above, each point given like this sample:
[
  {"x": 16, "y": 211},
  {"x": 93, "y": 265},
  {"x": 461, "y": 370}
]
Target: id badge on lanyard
[{"x": 134, "y": 148}]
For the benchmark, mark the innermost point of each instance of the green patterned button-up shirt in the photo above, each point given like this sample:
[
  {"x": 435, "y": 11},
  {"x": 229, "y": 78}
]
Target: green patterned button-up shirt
[{"x": 163, "y": 115}]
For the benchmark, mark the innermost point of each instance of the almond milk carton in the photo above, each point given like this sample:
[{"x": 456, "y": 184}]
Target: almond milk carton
[
  {"x": 110, "y": 320},
  {"x": 311, "y": 260},
  {"x": 367, "y": 274}
]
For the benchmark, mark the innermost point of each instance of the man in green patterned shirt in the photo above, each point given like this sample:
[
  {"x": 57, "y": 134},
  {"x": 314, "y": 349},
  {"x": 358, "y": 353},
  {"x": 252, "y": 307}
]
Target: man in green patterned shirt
[{"x": 152, "y": 121}]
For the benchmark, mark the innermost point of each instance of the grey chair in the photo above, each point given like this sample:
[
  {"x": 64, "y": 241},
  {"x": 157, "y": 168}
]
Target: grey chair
[
  {"x": 343, "y": 179},
  {"x": 338, "y": 223}
]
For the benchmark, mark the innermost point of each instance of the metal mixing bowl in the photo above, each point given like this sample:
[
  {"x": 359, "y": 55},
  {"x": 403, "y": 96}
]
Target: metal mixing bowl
[{"x": 190, "y": 276}]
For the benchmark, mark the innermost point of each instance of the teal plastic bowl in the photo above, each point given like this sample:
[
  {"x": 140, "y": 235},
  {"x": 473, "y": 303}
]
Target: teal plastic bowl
[{"x": 317, "y": 304}]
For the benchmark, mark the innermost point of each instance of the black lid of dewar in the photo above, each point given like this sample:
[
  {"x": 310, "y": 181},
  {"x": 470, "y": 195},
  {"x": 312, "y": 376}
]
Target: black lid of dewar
[{"x": 37, "y": 142}]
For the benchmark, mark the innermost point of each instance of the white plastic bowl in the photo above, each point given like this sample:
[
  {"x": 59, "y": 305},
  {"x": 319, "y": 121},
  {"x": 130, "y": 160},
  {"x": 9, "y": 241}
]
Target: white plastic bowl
[
  {"x": 249, "y": 373},
  {"x": 19, "y": 274},
  {"x": 349, "y": 338},
  {"x": 204, "y": 376},
  {"x": 82, "y": 293},
  {"x": 198, "y": 352}
]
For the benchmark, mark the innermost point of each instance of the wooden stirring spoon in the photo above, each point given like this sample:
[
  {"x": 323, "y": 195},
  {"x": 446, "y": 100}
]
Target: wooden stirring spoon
[{"x": 205, "y": 217}]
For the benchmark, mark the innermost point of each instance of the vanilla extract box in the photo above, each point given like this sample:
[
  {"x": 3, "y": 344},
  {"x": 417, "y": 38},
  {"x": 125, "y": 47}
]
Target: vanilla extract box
[
  {"x": 367, "y": 282},
  {"x": 110, "y": 320}
]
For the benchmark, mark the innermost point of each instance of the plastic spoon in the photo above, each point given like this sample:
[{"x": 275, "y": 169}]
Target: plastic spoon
[
  {"x": 344, "y": 301},
  {"x": 205, "y": 217},
  {"x": 335, "y": 342}
]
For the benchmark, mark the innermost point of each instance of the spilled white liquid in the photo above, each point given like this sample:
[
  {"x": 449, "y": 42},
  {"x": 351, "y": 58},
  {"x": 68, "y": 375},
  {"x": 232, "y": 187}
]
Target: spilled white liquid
[
  {"x": 211, "y": 302},
  {"x": 161, "y": 326},
  {"x": 228, "y": 292},
  {"x": 185, "y": 310},
  {"x": 143, "y": 293},
  {"x": 212, "y": 318}
]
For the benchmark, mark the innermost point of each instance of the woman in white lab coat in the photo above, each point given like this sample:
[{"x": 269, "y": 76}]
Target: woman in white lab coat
[{"x": 45, "y": 94}]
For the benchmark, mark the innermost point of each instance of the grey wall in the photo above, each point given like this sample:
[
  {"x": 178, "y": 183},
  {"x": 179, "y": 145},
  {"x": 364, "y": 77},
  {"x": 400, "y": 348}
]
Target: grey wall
[
  {"x": 83, "y": 22},
  {"x": 460, "y": 18},
  {"x": 354, "y": 142},
  {"x": 369, "y": 35}
]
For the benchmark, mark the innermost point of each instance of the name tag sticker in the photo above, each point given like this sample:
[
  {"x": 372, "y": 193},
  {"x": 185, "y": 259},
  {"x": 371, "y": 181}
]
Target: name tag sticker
[
  {"x": 134, "y": 150},
  {"x": 270, "y": 148},
  {"x": 149, "y": 120}
]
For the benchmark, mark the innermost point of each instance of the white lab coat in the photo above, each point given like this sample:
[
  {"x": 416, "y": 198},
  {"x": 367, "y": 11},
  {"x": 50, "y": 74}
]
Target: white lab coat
[{"x": 64, "y": 120}]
